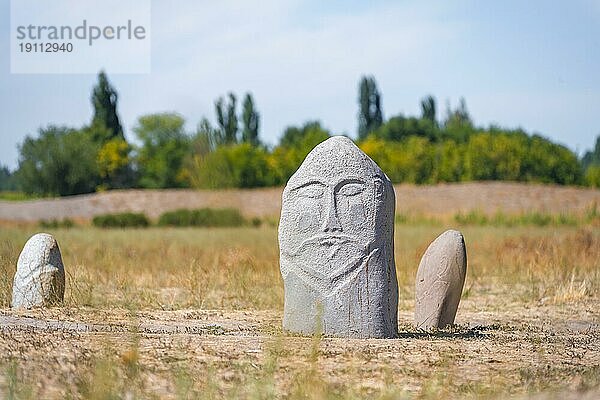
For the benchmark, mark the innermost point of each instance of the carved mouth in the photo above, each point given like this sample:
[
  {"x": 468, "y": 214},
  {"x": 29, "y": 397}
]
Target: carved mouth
[
  {"x": 333, "y": 240},
  {"x": 326, "y": 241}
]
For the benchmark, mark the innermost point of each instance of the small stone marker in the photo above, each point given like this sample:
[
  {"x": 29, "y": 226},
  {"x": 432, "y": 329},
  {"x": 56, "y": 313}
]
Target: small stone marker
[
  {"x": 40, "y": 277},
  {"x": 336, "y": 240},
  {"x": 440, "y": 280}
]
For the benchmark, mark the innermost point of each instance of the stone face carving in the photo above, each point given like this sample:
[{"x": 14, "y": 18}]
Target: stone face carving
[
  {"x": 336, "y": 240},
  {"x": 440, "y": 280},
  {"x": 40, "y": 277}
]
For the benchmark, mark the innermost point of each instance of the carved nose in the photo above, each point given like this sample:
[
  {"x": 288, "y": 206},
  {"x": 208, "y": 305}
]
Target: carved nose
[{"x": 332, "y": 224}]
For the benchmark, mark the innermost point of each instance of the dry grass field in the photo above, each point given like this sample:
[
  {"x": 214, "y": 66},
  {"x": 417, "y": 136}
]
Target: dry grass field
[{"x": 196, "y": 313}]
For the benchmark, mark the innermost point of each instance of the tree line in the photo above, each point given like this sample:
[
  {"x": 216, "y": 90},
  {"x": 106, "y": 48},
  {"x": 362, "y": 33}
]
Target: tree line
[{"x": 415, "y": 149}]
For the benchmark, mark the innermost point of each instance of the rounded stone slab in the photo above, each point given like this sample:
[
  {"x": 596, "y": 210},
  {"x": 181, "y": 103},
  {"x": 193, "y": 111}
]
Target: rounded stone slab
[
  {"x": 336, "y": 241},
  {"x": 40, "y": 277},
  {"x": 440, "y": 280}
]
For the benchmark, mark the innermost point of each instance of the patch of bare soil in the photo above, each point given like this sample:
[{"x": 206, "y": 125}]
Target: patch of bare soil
[
  {"x": 497, "y": 349},
  {"x": 442, "y": 199}
]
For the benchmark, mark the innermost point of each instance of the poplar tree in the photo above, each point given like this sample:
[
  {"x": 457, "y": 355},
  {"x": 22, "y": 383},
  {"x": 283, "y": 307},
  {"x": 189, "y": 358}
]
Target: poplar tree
[
  {"x": 251, "y": 121},
  {"x": 105, "y": 123},
  {"x": 428, "y": 109},
  {"x": 227, "y": 118},
  {"x": 370, "y": 115}
]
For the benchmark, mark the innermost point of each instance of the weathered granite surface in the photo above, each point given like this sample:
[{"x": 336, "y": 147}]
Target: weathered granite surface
[
  {"x": 440, "y": 280},
  {"x": 336, "y": 239},
  {"x": 40, "y": 277}
]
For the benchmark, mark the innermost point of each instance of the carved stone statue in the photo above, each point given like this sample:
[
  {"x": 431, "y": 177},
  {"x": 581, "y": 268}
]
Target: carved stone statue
[
  {"x": 440, "y": 280},
  {"x": 40, "y": 277},
  {"x": 336, "y": 239}
]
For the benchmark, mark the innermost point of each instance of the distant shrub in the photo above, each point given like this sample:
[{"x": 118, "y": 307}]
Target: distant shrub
[
  {"x": 530, "y": 218},
  {"x": 566, "y": 219},
  {"x": 207, "y": 217},
  {"x": 15, "y": 196},
  {"x": 256, "y": 222},
  {"x": 122, "y": 220},
  {"x": 501, "y": 219},
  {"x": 417, "y": 219},
  {"x": 471, "y": 218},
  {"x": 536, "y": 218},
  {"x": 57, "y": 223}
]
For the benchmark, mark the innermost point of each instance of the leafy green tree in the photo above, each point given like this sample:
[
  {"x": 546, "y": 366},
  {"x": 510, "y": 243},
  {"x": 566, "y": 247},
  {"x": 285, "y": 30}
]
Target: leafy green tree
[
  {"x": 400, "y": 127},
  {"x": 251, "y": 121},
  {"x": 448, "y": 162},
  {"x": 592, "y": 157},
  {"x": 105, "y": 122},
  {"x": 7, "y": 179},
  {"x": 211, "y": 170},
  {"x": 512, "y": 155},
  {"x": 380, "y": 151},
  {"x": 458, "y": 124},
  {"x": 294, "y": 136},
  {"x": 592, "y": 176},
  {"x": 548, "y": 162},
  {"x": 509, "y": 155},
  {"x": 227, "y": 118},
  {"x": 370, "y": 115},
  {"x": 410, "y": 160},
  {"x": 115, "y": 165},
  {"x": 240, "y": 165},
  {"x": 294, "y": 146},
  {"x": 250, "y": 166},
  {"x": 164, "y": 147},
  {"x": 61, "y": 161},
  {"x": 478, "y": 160},
  {"x": 106, "y": 130},
  {"x": 417, "y": 160},
  {"x": 207, "y": 138},
  {"x": 428, "y": 109},
  {"x": 590, "y": 163}
]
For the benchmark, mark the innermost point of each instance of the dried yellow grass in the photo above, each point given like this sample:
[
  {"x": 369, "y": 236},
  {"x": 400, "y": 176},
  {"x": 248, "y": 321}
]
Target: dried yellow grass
[{"x": 238, "y": 268}]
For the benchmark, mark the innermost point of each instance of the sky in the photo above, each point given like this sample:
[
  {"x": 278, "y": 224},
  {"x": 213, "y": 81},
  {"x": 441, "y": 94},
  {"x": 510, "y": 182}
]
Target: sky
[{"x": 534, "y": 65}]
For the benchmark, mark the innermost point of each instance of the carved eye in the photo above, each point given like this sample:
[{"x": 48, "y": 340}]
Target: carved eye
[
  {"x": 352, "y": 189},
  {"x": 312, "y": 191},
  {"x": 378, "y": 188}
]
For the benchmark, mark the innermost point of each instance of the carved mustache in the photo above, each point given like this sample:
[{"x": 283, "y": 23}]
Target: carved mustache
[{"x": 328, "y": 240}]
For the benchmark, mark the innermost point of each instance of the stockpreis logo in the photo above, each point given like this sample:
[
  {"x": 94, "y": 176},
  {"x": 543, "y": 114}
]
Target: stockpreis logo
[{"x": 74, "y": 36}]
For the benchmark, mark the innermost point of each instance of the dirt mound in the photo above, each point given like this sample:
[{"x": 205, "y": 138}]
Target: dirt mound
[{"x": 442, "y": 199}]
